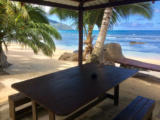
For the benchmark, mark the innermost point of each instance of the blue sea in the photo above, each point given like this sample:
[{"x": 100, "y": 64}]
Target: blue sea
[{"x": 149, "y": 38}]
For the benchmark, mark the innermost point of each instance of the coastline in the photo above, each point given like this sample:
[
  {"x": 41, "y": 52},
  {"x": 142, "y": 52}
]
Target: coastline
[{"x": 27, "y": 65}]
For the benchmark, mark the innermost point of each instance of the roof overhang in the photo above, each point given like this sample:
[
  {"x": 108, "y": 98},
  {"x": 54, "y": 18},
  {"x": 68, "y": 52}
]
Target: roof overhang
[{"x": 85, "y": 4}]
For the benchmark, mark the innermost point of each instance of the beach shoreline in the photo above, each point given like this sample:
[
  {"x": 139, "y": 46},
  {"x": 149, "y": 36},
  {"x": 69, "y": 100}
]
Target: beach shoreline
[{"x": 27, "y": 65}]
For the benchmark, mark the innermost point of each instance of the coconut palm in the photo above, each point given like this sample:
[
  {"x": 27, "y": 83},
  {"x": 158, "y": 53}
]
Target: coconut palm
[
  {"x": 94, "y": 17},
  {"x": 91, "y": 18},
  {"x": 26, "y": 25},
  {"x": 143, "y": 9}
]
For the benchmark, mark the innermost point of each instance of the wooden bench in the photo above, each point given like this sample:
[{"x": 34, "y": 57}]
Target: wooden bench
[
  {"x": 126, "y": 62},
  {"x": 139, "y": 109},
  {"x": 18, "y": 100}
]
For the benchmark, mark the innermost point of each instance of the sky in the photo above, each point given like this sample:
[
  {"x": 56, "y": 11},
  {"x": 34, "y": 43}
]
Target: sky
[{"x": 133, "y": 22}]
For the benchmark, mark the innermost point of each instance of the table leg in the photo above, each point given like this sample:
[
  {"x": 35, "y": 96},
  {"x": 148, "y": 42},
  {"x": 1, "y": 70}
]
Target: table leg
[
  {"x": 34, "y": 111},
  {"x": 51, "y": 116},
  {"x": 116, "y": 95}
]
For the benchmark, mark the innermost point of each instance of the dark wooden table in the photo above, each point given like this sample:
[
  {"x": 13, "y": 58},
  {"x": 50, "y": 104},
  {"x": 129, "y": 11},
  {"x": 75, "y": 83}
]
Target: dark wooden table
[{"x": 63, "y": 92}]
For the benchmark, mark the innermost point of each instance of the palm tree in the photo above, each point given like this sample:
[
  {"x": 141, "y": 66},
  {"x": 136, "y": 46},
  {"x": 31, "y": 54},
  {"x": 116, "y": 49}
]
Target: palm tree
[
  {"x": 91, "y": 18},
  {"x": 94, "y": 17},
  {"x": 26, "y": 25},
  {"x": 144, "y": 9}
]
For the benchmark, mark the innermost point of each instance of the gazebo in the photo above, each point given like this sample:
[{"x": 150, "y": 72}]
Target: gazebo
[
  {"x": 76, "y": 86},
  {"x": 82, "y": 6}
]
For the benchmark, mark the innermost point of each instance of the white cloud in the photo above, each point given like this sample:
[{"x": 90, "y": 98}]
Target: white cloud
[
  {"x": 157, "y": 10},
  {"x": 46, "y": 8}
]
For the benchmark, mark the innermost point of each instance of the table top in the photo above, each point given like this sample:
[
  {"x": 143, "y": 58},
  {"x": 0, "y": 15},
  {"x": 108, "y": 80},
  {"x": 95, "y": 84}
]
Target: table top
[{"x": 65, "y": 91}]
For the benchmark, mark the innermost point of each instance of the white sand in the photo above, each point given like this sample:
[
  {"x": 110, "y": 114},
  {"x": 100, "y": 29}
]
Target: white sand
[{"x": 26, "y": 65}]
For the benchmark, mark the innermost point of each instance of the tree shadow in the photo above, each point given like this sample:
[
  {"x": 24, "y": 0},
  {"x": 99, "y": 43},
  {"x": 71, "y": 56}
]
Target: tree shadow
[
  {"x": 3, "y": 72},
  {"x": 1, "y": 86},
  {"x": 148, "y": 78}
]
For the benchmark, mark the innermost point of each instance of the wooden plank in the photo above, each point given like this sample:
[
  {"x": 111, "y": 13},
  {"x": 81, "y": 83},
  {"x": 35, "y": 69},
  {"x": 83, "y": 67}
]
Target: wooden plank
[
  {"x": 138, "y": 64},
  {"x": 26, "y": 111},
  {"x": 114, "y": 4},
  {"x": 19, "y": 99},
  {"x": 139, "y": 109},
  {"x": 65, "y": 91},
  {"x": 104, "y": 5},
  {"x": 129, "y": 108},
  {"x": 145, "y": 112},
  {"x": 80, "y": 25},
  {"x": 21, "y": 113},
  {"x": 48, "y": 3}
]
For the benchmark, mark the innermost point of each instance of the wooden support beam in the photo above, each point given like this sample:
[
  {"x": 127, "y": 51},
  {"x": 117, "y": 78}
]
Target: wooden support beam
[
  {"x": 48, "y": 3},
  {"x": 110, "y": 4},
  {"x": 117, "y": 3},
  {"x": 80, "y": 26},
  {"x": 116, "y": 95}
]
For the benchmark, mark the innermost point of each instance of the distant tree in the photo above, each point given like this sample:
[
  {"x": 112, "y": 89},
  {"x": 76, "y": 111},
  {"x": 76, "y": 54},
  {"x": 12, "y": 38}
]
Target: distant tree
[{"x": 26, "y": 25}]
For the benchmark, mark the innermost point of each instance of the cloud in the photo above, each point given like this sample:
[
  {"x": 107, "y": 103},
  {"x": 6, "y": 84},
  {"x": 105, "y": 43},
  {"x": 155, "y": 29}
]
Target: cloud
[
  {"x": 135, "y": 25},
  {"x": 156, "y": 10},
  {"x": 46, "y": 8}
]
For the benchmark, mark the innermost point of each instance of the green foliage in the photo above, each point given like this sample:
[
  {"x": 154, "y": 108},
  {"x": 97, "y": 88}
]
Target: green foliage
[
  {"x": 27, "y": 25},
  {"x": 143, "y": 9},
  {"x": 94, "y": 17}
]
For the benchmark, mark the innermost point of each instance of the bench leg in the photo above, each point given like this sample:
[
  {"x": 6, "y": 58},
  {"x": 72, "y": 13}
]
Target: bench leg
[
  {"x": 34, "y": 111},
  {"x": 11, "y": 109},
  {"x": 116, "y": 95},
  {"x": 150, "y": 118},
  {"x": 51, "y": 116}
]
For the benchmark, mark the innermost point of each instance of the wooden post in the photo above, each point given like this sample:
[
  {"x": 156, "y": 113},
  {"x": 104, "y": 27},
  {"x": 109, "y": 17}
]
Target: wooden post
[
  {"x": 116, "y": 95},
  {"x": 51, "y": 116},
  {"x": 34, "y": 110},
  {"x": 80, "y": 26},
  {"x": 11, "y": 109}
]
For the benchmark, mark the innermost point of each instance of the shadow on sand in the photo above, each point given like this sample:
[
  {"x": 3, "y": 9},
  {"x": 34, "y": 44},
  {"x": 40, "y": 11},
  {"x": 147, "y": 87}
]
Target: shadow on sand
[
  {"x": 148, "y": 78},
  {"x": 1, "y": 86}
]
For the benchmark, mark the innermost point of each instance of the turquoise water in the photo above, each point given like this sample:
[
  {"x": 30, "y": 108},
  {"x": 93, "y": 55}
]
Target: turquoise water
[{"x": 151, "y": 40}]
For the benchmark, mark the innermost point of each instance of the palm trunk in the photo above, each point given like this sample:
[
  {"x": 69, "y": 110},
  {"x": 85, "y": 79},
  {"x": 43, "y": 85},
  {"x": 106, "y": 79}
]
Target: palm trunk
[
  {"x": 3, "y": 58},
  {"x": 97, "y": 54},
  {"x": 88, "y": 42}
]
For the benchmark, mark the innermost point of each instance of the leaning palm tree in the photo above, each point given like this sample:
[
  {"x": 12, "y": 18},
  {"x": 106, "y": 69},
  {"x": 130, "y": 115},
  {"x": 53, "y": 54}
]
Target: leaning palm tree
[
  {"x": 94, "y": 17},
  {"x": 26, "y": 25},
  {"x": 144, "y": 9}
]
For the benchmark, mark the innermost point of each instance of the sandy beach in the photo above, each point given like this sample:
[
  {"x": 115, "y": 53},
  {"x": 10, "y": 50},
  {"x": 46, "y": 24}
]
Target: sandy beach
[{"x": 27, "y": 65}]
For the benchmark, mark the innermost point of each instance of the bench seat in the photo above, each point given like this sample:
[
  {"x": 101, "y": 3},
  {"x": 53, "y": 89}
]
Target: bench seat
[
  {"x": 138, "y": 64},
  {"x": 15, "y": 101},
  {"x": 140, "y": 108}
]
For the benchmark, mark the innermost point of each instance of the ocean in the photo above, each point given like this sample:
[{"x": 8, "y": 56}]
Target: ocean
[{"x": 149, "y": 41}]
